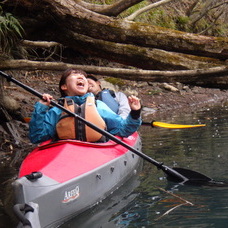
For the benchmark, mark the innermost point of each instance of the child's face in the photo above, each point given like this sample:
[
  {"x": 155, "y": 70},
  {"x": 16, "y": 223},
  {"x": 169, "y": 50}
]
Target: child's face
[
  {"x": 76, "y": 85},
  {"x": 94, "y": 87}
]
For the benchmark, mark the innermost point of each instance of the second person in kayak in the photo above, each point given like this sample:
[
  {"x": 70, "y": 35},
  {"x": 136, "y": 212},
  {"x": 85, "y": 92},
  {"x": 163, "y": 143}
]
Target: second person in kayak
[{"x": 117, "y": 101}]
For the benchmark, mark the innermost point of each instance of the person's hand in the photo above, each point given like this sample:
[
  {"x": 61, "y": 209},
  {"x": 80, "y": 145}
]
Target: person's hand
[
  {"x": 46, "y": 99},
  {"x": 134, "y": 102}
]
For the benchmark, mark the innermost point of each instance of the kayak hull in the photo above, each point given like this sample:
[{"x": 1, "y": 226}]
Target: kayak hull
[{"x": 73, "y": 176}]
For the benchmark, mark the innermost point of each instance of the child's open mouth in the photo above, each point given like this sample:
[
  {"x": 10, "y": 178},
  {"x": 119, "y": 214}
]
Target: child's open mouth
[{"x": 81, "y": 84}]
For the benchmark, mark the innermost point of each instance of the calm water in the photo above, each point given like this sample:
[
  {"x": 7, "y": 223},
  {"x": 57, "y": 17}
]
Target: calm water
[
  {"x": 152, "y": 201},
  {"x": 151, "y": 204}
]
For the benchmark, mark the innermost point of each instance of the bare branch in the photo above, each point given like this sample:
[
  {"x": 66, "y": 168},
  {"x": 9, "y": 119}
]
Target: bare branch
[
  {"x": 139, "y": 45},
  {"x": 82, "y": 21},
  {"x": 51, "y": 47},
  {"x": 203, "y": 12},
  {"x": 39, "y": 44},
  {"x": 212, "y": 24},
  {"x": 192, "y": 7},
  {"x": 146, "y": 8},
  {"x": 220, "y": 4},
  {"x": 112, "y": 10}
]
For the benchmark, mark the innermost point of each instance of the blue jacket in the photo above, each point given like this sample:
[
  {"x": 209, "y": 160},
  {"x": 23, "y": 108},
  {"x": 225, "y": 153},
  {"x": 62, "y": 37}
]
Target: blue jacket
[{"x": 44, "y": 119}]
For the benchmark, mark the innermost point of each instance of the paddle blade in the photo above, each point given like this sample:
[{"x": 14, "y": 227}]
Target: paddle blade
[
  {"x": 196, "y": 178},
  {"x": 192, "y": 175},
  {"x": 174, "y": 126},
  {"x": 173, "y": 174},
  {"x": 185, "y": 176}
]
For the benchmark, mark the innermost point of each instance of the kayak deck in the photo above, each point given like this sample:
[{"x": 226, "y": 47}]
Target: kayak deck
[
  {"x": 66, "y": 159},
  {"x": 75, "y": 176}
]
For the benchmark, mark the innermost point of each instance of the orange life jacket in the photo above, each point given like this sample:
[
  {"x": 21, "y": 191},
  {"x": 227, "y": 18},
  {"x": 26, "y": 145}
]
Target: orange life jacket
[{"x": 69, "y": 127}]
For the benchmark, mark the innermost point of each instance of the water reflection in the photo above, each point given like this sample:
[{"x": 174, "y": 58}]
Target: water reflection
[
  {"x": 101, "y": 215},
  {"x": 200, "y": 149}
]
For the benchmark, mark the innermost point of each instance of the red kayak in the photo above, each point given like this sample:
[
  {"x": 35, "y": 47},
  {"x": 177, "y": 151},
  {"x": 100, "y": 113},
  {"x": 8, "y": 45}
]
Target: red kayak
[{"x": 59, "y": 180}]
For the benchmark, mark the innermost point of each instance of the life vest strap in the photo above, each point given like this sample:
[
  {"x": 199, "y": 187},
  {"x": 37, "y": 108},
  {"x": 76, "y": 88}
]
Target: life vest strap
[{"x": 70, "y": 127}]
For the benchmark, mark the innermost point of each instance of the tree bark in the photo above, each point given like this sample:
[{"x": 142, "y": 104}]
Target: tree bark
[
  {"x": 137, "y": 56},
  {"x": 216, "y": 76},
  {"x": 67, "y": 19},
  {"x": 105, "y": 28},
  {"x": 39, "y": 44}
]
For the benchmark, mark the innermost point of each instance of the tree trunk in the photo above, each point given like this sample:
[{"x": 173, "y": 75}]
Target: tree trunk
[
  {"x": 213, "y": 77},
  {"x": 135, "y": 44}
]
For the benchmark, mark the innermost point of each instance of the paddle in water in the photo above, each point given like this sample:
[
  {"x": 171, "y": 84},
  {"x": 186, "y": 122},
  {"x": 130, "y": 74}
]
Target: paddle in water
[
  {"x": 180, "y": 175},
  {"x": 172, "y": 126}
]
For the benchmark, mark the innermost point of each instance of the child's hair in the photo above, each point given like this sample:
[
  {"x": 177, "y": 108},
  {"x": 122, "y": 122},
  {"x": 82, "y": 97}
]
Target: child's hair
[
  {"x": 64, "y": 77},
  {"x": 92, "y": 77}
]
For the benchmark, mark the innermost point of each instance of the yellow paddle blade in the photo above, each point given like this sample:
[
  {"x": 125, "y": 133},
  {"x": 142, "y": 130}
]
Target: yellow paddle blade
[{"x": 174, "y": 126}]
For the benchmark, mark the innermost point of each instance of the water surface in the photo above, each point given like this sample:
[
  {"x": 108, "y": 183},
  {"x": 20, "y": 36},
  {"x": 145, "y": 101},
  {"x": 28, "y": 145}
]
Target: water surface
[
  {"x": 152, "y": 201},
  {"x": 156, "y": 202}
]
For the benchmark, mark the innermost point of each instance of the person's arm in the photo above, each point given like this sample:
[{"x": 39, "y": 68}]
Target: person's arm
[
  {"x": 124, "y": 108},
  {"x": 43, "y": 122},
  {"x": 135, "y": 105},
  {"x": 116, "y": 125}
]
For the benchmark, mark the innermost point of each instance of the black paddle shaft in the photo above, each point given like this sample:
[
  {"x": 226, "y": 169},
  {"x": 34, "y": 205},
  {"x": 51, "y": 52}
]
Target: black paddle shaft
[{"x": 169, "y": 171}]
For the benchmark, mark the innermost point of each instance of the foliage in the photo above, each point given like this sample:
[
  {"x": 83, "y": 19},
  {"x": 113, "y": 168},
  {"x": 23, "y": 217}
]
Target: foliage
[
  {"x": 182, "y": 23},
  {"x": 10, "y": 33},
  {"x": 181, "y": 15},
  {"x": 175, "y": 16},
  {"x": 154, "y": 92},
  {"x": 115, "y": 81},
  {"x": 160, "y": 17}
]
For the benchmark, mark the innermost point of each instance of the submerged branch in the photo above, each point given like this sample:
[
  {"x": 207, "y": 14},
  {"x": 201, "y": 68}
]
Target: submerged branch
[
  {"x": 172, "y": 194},
  {"x": 186, "y": 202},
  {"x": 167, "y": 212}
]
